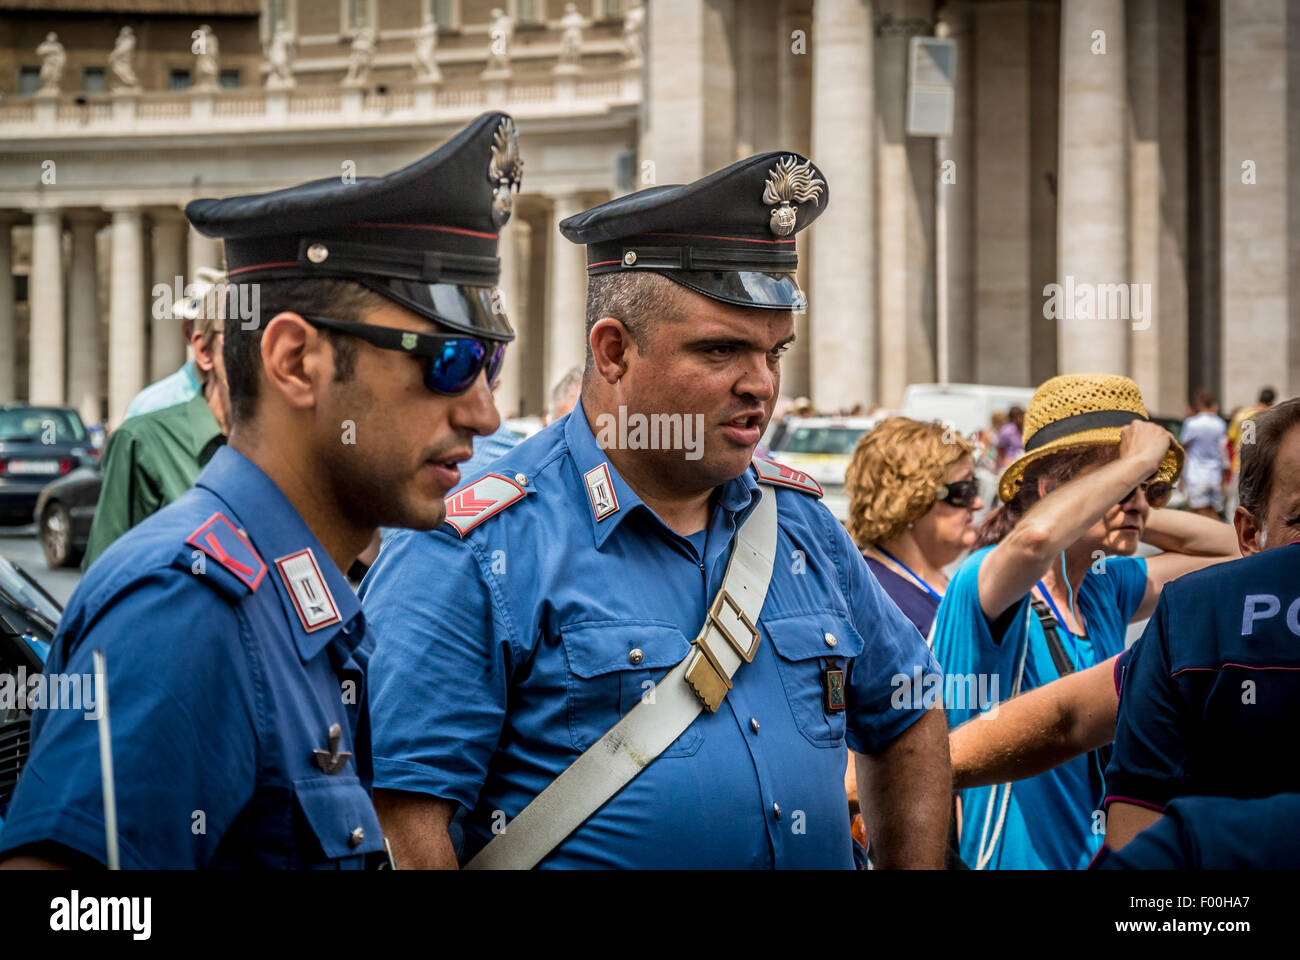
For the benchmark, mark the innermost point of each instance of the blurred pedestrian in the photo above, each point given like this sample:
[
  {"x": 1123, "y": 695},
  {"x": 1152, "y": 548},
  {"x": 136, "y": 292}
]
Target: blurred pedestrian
[
  {"x": 1010, "y": 436},
  {"x": 154, "y": 457},
  {"x": 1053, "y": 587},
  {"x": 1206, "y": 473},
  {"x": 178, "y": 387},
  {"x": 1266, "y": 399}
]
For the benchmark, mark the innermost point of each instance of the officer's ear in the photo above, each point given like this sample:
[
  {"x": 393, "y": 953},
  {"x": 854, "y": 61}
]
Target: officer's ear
[
  {"x": 296, "y": 359},
  {"x": 610, "y": 342},
  {"x": 1250, "y": 532}
]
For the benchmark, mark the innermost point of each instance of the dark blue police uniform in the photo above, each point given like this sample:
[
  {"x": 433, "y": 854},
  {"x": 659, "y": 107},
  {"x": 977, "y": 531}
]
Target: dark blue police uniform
[
  {"x": 1210, "y": 694},
  {"x": 233, "y": 648}
]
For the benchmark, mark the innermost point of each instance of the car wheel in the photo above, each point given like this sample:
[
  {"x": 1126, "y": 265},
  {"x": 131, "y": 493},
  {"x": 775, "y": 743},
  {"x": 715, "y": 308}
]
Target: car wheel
[{"x": 56, "y": 537}]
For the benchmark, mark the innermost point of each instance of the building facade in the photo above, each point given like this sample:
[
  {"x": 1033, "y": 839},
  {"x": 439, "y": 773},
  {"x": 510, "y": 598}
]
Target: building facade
[{"x": 1113, "y": 195}]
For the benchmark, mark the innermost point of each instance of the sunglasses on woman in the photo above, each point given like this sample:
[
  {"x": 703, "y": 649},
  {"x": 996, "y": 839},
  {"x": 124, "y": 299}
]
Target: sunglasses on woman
[
  {"x": 455, "y": 360},
  {"x": 1157, "y": 492},
  {"x": 959, "y": 493}
]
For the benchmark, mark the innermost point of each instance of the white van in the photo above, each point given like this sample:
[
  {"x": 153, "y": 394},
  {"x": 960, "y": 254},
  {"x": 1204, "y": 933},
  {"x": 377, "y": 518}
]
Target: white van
[{"x": 966, "y": 407}]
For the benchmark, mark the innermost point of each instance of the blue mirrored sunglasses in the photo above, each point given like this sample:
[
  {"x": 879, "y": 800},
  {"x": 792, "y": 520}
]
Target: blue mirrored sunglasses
[{"x": 454, "y": 360}]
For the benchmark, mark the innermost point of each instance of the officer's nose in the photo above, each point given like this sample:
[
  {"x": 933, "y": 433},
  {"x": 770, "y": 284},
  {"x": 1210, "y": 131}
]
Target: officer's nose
[
  {"x": 758, "y": 379},
  {"x": 475, "y": 410}
]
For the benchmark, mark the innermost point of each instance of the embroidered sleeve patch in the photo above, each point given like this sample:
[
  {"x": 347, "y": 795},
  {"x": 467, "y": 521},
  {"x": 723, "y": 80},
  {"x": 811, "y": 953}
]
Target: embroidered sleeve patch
[
  {"x": 769, "y": 471},
  {"x": 489, "y": 495},
  {"x": 221, "y": 541}
]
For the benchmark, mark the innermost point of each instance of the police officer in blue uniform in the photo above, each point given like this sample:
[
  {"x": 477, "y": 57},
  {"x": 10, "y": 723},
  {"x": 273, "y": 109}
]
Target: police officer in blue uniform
[
  {"x": 235, "y": 650},
  {"x": 565, "y": 585}
]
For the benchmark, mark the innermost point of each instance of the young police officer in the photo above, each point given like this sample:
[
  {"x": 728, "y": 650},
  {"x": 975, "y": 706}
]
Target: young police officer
[
  {"x": 235, "y": 666},
  {"x": 562, "y": 594}
]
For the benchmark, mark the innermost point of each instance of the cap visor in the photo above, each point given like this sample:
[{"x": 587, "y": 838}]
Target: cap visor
[
  {"x": 745, "y": 288},
  {"x": 477, "y": 311}
]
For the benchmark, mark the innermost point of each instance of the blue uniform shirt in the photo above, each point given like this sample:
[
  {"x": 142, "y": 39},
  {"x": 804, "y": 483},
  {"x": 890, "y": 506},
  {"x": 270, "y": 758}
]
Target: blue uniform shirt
[
  {"x": 1211, "y": 691},
  {"x": 505, "y": 654},
  {"x": 1049, "y": 818},
  {"x": 219, "y": 694}
]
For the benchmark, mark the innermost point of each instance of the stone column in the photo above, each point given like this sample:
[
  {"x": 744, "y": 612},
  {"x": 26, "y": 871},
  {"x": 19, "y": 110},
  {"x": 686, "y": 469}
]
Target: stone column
[
  {"x": 84, "y": 389},
  {"x": 1006, "y": 305},
  {"x": 203, "y": 252},
  {"x": 167, "y": 344},
  {"x": 127, "y": 313},
  {"x": 794, "y": 115},
  {"x": 522, "y": 355},
  {"x": 956, "y": 198},
  {"x": 758, "y": 42},
  {"x": 8, "y": 326},
  {"x": 509, "y": 386},
  {"x": 1092, "y": 216},
  {"x": 691, "y": 88},
  {"x": 45, "y": 294},
  {"x": 1157, "y": 34},
  {"x": 905, "y": 211},
  {"x": 566, "y": 343},
  {"x": 843, "y": 294},
  {"x": 1258, "y": 314}
]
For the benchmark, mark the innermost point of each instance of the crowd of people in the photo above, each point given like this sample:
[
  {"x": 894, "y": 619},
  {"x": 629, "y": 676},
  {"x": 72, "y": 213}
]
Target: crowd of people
[{"x": 591, "y": 628}]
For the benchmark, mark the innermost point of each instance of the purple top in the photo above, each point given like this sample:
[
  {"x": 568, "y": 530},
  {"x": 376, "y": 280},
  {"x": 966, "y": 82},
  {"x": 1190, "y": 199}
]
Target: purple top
[{"x": 917, "y": 605}]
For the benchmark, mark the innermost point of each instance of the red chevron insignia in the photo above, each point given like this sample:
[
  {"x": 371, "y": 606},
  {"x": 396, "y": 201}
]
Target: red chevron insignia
[
  {"x": 463, "y": 504},
  {"x": 483, "y": 498}
]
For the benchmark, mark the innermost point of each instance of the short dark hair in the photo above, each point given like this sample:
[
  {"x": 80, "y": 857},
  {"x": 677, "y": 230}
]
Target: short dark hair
[
  {"x": 338, "y": 298},
  {"x": 636, "y": 298},
  {"x": 1267, "y": 395},
  {"x": 1255, "y": 484}
]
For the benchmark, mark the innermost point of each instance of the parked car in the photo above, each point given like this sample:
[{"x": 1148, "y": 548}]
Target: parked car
[
  {"x": 29, "y": 618},
  {"x": 822, "y": 448},
  {"x": 966, "y": 407},
  {"x": 63, "y": 515},
  {"x": 37, "y": 445}
]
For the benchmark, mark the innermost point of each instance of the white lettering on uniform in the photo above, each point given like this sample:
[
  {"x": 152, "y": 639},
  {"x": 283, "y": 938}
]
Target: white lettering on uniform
[
  {"x": 1251, "y": 611},
  {"x": 1293, "y": 617}
]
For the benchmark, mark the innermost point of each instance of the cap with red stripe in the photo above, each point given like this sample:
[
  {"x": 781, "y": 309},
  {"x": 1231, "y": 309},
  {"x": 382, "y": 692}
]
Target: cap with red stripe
[
  {"x": 729, "y": 236},
  {"x": 424, "y": 236}
]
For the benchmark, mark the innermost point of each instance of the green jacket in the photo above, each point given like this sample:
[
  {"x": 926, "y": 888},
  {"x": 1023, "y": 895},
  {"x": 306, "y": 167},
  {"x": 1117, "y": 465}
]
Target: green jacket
[{"x": 151, "y": 460}]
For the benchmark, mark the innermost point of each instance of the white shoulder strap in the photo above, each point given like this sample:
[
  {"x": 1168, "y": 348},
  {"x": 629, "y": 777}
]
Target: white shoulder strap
[{"x": 728, "y": 638}]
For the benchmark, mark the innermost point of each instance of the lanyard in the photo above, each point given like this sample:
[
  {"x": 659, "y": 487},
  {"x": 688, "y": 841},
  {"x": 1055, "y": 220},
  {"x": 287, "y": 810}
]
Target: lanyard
[
  {"x": 924, "y": 586},
  {"x": 1074, "y": 642}
]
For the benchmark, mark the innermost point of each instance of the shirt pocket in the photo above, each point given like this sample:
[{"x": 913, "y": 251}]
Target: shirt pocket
[
  {"x": 335, "y": 822},
  {"x": 613, "y": 665},
  {"x": 806, "y": 645}
]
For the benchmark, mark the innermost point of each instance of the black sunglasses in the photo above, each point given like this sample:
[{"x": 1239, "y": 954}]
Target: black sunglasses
[
  {"x": 1157, "y": 492},
  {"x": 959, "y": 493},
  {"x": 455, "y": 359}
]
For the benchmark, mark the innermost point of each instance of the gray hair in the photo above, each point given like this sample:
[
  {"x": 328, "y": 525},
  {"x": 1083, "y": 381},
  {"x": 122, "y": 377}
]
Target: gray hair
[
  {"x": 565, "y": 388},
  {"x": 636, "y": 298}
]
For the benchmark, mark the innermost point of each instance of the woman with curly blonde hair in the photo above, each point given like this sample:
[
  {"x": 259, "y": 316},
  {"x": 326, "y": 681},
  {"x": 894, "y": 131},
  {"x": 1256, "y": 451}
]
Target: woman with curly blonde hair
[{"x": 912, "y": 498}]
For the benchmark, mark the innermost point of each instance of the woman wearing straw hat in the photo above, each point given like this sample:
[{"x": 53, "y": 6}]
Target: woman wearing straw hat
[{"x": 1051, "y": 591}]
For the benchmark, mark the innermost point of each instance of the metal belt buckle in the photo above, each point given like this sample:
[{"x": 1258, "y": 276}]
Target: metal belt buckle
[{"x": 706, "y": 675}]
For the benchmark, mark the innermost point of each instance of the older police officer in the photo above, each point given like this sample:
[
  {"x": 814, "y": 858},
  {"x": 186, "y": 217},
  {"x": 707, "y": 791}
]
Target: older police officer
[
  {"x": 235, "y": 657},
  {"x": 535, "y": 665}
]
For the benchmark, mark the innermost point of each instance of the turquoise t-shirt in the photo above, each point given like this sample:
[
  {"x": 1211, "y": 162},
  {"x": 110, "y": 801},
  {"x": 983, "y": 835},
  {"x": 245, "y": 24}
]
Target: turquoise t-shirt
[{"x": 1049, "y": 819}]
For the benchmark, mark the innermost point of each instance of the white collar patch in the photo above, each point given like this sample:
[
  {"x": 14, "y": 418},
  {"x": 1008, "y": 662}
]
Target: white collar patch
[
  {"x": 311, "y": 597},
  {"x": 600, "y": 492}
]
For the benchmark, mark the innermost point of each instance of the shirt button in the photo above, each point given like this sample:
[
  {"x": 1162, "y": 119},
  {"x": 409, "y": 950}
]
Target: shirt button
[
  {"x": 776, "y": 810},
  {"x": 521, "y": 480},
  {"x": 357, "y": 835},
  {"x": 636, "y": 656},
  {"x": 830, "y": 640},
  {"x": 753, "y": 723}
]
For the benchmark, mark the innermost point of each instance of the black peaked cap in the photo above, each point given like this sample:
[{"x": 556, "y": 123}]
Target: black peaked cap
[{"x": 729, "y": 236}]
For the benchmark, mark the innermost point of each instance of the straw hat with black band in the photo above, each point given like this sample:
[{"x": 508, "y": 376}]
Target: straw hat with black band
[{"x": 1081, "y": 410}]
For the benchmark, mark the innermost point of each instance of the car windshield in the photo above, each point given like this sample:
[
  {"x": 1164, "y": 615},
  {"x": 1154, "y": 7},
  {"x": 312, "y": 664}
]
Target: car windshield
[
  {"x": 17, "y": 587},
  {"x": 41, "y": 425},
  {"x": 821, "y": 440}
]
